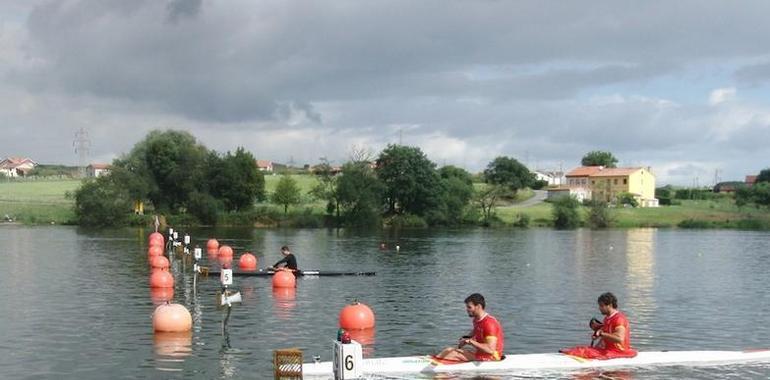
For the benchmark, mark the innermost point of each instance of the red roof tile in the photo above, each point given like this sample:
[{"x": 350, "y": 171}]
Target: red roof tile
[
  {"x": 615, "y": 172},
  {"x": 584, "y": 171}
]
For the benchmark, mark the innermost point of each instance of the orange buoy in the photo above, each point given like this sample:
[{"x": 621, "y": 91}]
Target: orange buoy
[
  {"x": 159, "y": 262},
  {"x": 212, "y": 252},
  {"x": 247, "y": 262},
  {"x": 226, "y": 251},
  {"x": 225, "y": 262},
  {"x": 156, "y": 237},
  {"x": 161, "y": 279},
  {"x": 212, "y": 245},
  {"x": 356, "y": 316},
  {"x": 161, "y": 295},
  {"x": 284, "y": 279},
  {"x": 155, "y": 250},
  {"x": 156, "y": 243},
  {"x": 171, "y": 317}
]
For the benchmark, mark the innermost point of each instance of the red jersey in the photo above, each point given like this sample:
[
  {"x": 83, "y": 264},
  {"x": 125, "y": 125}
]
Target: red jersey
[
  {"x": 486, "y": 327},
  {"x": 610, "y": 324}
]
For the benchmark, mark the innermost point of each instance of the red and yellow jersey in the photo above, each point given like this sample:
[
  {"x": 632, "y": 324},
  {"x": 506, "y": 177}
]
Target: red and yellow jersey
[
  {"x": 484, "y": 328},
  {"x": 610, "y": 324}
]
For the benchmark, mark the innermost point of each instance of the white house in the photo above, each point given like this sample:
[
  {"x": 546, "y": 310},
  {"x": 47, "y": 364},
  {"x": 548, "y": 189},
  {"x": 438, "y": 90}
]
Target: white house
[
  {"x": 97, "y": 170},
  {"x": 16, "y": 166},
  {"x": 552, "y": 177}
]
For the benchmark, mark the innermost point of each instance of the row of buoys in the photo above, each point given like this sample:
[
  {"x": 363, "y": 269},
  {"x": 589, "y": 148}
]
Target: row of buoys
[{"x": 167, "y": 317}]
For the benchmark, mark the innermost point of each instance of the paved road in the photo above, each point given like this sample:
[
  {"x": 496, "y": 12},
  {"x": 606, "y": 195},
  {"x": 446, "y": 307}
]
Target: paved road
[{"x": 539, "y": 197}]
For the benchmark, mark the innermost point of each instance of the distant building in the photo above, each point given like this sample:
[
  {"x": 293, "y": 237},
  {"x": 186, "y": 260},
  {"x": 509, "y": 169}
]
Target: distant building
[
  {"x": 265, "y": 166},
  {"x": 728, "y": 187},
  {"x": 552, "y": 177},
  {"x": 606, "y": 184},
  {"x": 751, "y": 180},
  {"x": 97, "y": 170},
  {"x": 17, "y": 166}
]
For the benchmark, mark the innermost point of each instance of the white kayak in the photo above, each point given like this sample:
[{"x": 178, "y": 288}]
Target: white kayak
[{"x": 532, "y": 362}]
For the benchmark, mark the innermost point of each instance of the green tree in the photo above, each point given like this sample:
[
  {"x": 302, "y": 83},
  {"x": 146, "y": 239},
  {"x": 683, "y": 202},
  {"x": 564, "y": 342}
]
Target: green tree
[
  {"x": 565, "y": 212},
  {"x": 326, "y": 189},
  {"x": 102, "y": 202},
  {"x": 458, "y": 186},
  {"x": 359, "y": 193},
  {"x": 487, "y": 199},
  {"x": 627, "y": 199},
  {"x": 763, "y": 176},
  {"x": 411, "y": 182},
  {"x": 509, "y": 172},
  {"x": 758, "y": 195},
  {"x": 599, "y": 158},
  {"x": 286, "y": 193},
  {"x": 235, "y": 180},
  {"x": 171, "y": 166}
]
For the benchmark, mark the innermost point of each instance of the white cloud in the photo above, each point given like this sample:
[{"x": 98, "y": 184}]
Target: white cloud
[{"x": 721, "y": 95}]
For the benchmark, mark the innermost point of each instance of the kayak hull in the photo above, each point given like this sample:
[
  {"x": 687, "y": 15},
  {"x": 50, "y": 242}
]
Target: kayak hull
[
  {"x": 304, "y": 273},
  {"x": 530, "y": 362}
]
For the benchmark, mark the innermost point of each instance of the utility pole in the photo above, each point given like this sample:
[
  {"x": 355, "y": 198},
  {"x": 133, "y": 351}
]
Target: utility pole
[{"x": 82, "y": 145}]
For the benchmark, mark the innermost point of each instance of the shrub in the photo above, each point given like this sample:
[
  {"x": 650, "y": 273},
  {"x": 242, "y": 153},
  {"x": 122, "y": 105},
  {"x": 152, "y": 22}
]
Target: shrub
[
  {"x": 627, "y": 199},
  {"x": 599, "y": 215},
  {"x": 522, "y": 220},
  {"x": 692, "y": 223},
  {"x": 408, "y": 221},
  {"x": 204, "y": 207},
  {"x": 565, "y": 212}
]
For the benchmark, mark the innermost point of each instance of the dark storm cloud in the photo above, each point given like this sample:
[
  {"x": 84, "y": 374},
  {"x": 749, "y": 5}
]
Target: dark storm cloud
[{"x": 239, "y": 61}]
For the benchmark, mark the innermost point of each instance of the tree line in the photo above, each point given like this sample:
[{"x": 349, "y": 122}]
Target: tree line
[{"x": 176, "y": 174}]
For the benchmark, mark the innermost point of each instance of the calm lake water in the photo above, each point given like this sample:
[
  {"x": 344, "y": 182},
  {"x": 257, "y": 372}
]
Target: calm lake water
[{"x": 76, "y": 302}]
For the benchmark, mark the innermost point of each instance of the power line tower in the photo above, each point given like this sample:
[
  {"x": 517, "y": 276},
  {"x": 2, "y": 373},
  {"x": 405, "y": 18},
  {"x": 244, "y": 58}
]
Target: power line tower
[{"x": 82, "y": 145}]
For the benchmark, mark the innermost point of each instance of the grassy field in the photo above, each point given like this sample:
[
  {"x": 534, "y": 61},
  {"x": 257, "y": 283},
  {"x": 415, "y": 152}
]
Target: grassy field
[
  {"x": 35, "y": 202},
  {"x": 721, "y": 213}
]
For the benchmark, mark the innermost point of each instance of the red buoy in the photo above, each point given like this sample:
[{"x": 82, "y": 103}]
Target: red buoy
[
  {"x": 171, "y": 318},
  {"x": 161, "y": 279},
  {"x": 161, "y": 295},
  {"x": 212, "y": 245},
  {"x": 247, "y": 262},
  {"x": 284, "y": 279},
  {"x": 159, "y": 262},
  {"x": 356, "y": 316},
  {"x": 155, "y": 250},
  {"x": 226, "y": 251}
]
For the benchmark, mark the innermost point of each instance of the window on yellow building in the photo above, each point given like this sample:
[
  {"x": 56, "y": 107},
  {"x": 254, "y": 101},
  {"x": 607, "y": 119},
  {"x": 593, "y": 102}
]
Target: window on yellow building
[
  {"x": 615, "y": 181},
  {"x": 625, "y": 181}
]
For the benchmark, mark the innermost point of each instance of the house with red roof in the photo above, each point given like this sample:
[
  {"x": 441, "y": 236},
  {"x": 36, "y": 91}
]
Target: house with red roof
[
  {"x": 607, "y": 184},
  {"x": 97, "y": 170},
  {"x": 17, "y": 166}
]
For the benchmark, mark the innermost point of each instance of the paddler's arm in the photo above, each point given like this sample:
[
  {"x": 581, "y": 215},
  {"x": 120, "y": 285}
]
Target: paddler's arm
[
  {"x": 616, "y": 336},
  {"x": 487, "y": 347}
]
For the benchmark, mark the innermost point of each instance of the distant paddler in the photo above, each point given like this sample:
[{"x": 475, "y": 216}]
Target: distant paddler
[
  {"x": 614, "y": 334},
  {"x": 484, "y": 343},
  {"x": 288, "y": 263}
]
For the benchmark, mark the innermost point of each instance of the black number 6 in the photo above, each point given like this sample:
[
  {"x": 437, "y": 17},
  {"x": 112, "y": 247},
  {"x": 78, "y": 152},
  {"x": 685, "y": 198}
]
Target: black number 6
[{"x": 349, "y": 362}]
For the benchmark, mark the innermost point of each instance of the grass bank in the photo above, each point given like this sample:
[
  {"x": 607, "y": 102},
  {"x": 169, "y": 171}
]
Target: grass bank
[
  {"x": 38, "y": 202},
  {"x": 721, "y": 213}
]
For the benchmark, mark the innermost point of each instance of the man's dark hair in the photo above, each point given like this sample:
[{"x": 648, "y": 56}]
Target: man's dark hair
[
  {"x": 285, "y": 248},
  {"x": 608, "y": 299},
  {"x": 476, "y": 299}
]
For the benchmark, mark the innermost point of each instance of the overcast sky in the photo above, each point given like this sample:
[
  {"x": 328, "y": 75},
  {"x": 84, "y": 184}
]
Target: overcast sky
[{"x": 679, "y": 86}]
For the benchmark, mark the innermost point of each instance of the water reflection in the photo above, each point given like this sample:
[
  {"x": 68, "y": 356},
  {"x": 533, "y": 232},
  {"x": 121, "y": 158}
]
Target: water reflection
[
  {"x": 171, "y": 349},
  {"x": 366, "y": 338},
  {"x": 284, "y": 302},
  {"x": 640, "y": 280}
]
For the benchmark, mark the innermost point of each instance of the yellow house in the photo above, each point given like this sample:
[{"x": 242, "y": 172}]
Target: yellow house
[{"x": 608, "y": 183}]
